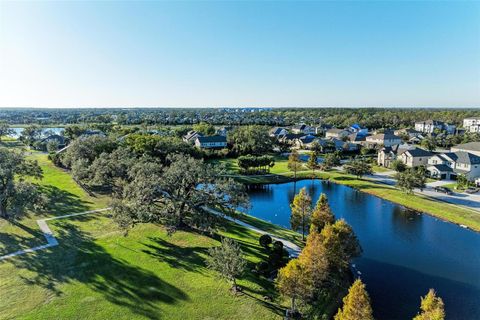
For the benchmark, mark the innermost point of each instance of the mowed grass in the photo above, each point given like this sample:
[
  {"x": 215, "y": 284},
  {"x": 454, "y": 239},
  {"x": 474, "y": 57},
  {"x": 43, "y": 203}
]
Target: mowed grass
[
  {"x": 64, "y": 197},
  {"x": 99, "y": 273}
]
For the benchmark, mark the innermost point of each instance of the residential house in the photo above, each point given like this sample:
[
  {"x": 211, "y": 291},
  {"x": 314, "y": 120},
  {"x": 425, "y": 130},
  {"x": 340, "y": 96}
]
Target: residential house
[
  {"x": 336, "y": 133},
  {"x": 289, "y": 138},
  {"x": 357, "y": 137},
  {"x": 450, "y": 165},
  {"x": 306, "y": 142},
  {"x": 211, "y": 142},
  {"x": 472, "y": 124},
  {"x": 58, "y": 139},
  {"x": 471, "y": 147},
  {"x": 415, "y": 157},
  {"x": 387, "y": 155},
  {"x": 303, "y": 128},
  {"x": 357, "y": 129},
  {"x": 408, "y": 132},
  {"x": 192, "y": 136},
  {"x": 384, "y": 139},
  {"x": 429, "y": 126},
  {"x": 322, "y": 128},
  {"x": 277, "y": 132}
]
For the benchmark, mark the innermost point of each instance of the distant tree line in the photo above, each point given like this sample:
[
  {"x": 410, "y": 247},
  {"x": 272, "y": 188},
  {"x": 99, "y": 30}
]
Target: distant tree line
[{"x": 369, "y": 117}]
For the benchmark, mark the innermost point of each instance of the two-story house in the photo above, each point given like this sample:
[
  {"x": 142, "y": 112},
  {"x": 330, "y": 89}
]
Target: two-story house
[
  {"x": 191, "y": 136},
  {"x": 336, "y": 133},
  {"x": 277, "y": 132},
  {"x": 429, "y": 126},
  {"x": 384, "y": 139},
  {"x": 472, "y": 124},
  {"x": 359, "y": 130},
  {"x": 211, "y": 142},
  {"x": 303, "y": 128},
  {"x": 449, "y": 165},
  {"x": 415, "y": 157},
  {"x": 387, "y": 155},
  {"x": 471, "y": 147}
]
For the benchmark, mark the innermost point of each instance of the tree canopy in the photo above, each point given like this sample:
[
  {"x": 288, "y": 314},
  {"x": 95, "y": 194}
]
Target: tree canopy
[
  {"x": 17, "y": 194},
  {"x": 321, "y": 215},
  {"x": 431, "y": 307},
  {"x": 177, "y": 195},
  {"x": 250, "y": 140},
  {"x": 301, "y": 211},
  {"x": 356, "y": 304},
  {"x": 227, "y": 260}
]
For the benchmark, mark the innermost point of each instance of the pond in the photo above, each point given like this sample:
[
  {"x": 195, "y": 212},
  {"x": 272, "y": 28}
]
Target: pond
[{"x": 404, "y": 253}]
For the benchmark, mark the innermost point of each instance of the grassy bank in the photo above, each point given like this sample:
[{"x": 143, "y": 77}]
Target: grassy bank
[
  {"x": 443, "y": 210},
  {"x": 440, "y": 209}
]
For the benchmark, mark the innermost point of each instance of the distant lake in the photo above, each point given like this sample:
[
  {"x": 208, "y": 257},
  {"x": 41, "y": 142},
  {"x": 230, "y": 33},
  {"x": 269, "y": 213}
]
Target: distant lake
[
  {"x": 405, "y": 253},
  {"x": 45, "y": 131}
]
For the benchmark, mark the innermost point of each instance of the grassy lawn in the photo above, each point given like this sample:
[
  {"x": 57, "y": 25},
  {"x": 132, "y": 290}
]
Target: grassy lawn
[
  {"x": 98, "y": 273},
  {"x": 380, "y": 169},
  {"x": 64, "y": 197}
]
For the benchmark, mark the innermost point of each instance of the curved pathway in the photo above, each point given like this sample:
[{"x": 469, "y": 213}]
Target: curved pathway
[
  {"x": 48, "y": 234},
  {"x": 292, "y": 248}
]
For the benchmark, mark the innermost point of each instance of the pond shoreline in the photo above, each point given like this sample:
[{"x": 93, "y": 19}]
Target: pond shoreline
[{"x": 439, "y": 209}]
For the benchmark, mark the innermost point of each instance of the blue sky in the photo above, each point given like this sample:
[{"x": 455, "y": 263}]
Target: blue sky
[{"x": 186, "y": 54}]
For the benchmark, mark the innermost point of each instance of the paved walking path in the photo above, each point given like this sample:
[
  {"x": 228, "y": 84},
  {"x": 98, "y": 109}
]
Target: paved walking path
[
  {"x": 48, "y": 234},
  {"x": 292, "y": 248}
]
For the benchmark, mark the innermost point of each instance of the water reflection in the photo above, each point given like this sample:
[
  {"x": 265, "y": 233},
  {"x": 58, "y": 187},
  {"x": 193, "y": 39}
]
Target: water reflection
[{"x": 405, "y": 253}]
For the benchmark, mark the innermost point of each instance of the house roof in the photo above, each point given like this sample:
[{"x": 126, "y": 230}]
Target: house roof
[
  {"x": 307, "y": 139},
  {"x": 300, "y": 126},
  {"x": 462, "y": 157},
  {"x": 277, "y": 130},
  {"x": 356, "y": 137},
  {"x": 471, "y": 146},
  {"x": 192, "y": 134},
  {"x": 210, "y": 139},
  {"x": 418, "y": 152},
  {"x": 384, "y": 136},
  {"x": 334, "y": 130},
  {"x": 57, "y": 137},
  {"x": 442, "y": 167}
]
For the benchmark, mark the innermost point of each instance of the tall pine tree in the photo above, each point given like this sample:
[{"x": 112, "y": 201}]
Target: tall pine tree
[
  {"x": 431, "y": 307},
  {"x": 301, "y": 211},
  {"x": 356, "y": 304},
  {"x": 321, "y": 215}
]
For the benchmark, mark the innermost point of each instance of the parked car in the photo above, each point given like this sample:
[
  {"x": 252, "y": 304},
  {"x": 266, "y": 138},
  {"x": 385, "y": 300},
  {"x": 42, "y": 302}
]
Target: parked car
[
  {"x": 471, "y": 190},
  {"x": 443, "y": 190}
]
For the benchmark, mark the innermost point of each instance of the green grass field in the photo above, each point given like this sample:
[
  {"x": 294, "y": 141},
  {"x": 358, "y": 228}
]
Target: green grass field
[{"x": 98, "y": 273}]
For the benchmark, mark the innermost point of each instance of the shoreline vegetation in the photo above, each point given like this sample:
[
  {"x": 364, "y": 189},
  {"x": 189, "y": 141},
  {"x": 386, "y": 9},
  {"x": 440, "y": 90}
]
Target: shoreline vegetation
[{"x": 445, "y": 211}]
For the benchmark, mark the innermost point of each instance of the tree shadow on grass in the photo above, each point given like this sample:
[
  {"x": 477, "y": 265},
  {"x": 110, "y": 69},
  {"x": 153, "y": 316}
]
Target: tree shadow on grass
[
  {"x": 192, "y": 259},
  {"x": 186, "y": 258},
  {"x": 11, "y": 241},
  {"x": 62, "y": 202},
  {"x": 79, "y": 259}
]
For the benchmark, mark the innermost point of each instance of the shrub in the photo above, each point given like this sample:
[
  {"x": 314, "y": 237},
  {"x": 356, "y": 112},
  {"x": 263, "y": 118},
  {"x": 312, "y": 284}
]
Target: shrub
[{"x": 265, "y": 241}]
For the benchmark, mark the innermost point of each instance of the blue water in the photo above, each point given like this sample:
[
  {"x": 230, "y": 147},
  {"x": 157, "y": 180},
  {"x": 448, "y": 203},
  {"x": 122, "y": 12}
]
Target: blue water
[{"x": 404, "y": 253}]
